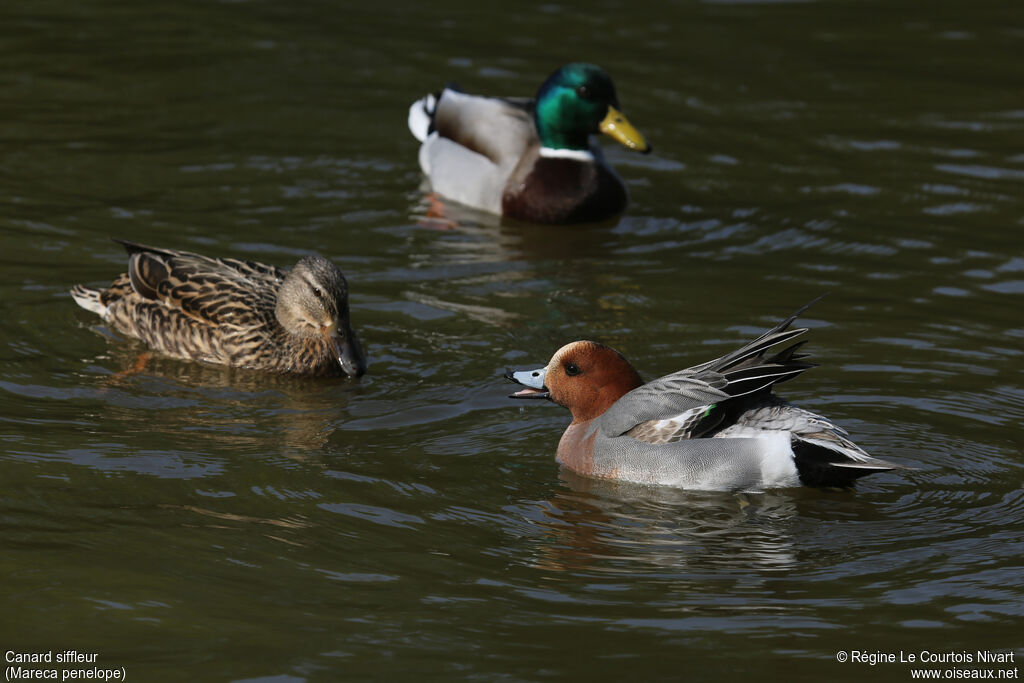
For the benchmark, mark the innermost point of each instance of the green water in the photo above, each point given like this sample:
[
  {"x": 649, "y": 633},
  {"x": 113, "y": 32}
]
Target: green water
[{"x": 193, "y": 523}]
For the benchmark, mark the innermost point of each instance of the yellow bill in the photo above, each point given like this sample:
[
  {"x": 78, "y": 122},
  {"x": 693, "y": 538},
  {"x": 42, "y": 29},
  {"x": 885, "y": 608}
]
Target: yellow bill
[{"x": 618, "y": 126}]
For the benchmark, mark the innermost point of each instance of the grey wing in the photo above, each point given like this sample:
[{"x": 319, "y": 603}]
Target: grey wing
[
  {"x": 670, "y": 408},
  {"x": 499, "y": 129},
  {"x": 674, "y": 398},
  {"x": 473, "y": 144},
  {"x": 692, "y": 424}
]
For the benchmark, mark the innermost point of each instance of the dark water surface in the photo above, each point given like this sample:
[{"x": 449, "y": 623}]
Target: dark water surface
[{"x": 193, "y": 523}]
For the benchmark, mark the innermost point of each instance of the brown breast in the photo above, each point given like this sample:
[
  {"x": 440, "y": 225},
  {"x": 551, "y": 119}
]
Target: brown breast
[
  {"x": 576, "y": 448},
  {"x": 557, "y": 190}
]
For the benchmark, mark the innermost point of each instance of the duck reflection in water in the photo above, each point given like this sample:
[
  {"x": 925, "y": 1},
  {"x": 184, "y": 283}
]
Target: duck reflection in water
[
  {"x": 235, "y": 409},
  {"x": 465, "y": 235},
  {"x": 610, "y": 526}
]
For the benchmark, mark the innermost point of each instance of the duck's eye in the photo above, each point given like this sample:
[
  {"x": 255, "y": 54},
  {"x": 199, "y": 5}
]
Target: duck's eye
[
  {"x": 583, "y": 91},
  {"x": 572, "y": 369}
]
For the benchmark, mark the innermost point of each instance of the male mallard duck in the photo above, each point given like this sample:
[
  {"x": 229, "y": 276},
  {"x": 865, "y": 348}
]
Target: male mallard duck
[
  {"x": 714, "y": 426},
  {"x": 528, "y": 159},
  {"x": 233, "y": 312}
]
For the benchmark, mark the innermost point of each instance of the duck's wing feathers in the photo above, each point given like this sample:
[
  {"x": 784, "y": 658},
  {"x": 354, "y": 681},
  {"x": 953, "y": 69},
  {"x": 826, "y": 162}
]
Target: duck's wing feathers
[
  {"x": 692, "y": 424},
  {"x": 693, "y": 415},
  {"x": 752, "y": 352},
  {"x": 500, "y": 129},
  {"x": 679, "y": 406},
  {"x": 472, "y": 144},
  {"x": 654, "y": 408},
  {"x": 775, "y": 415},
  {"x": 822, "y": 450},
  {"x": 215, "y": 291}
]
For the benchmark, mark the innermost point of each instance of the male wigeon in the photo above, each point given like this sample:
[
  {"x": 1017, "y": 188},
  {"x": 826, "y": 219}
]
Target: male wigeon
[
  {"x": 530, "y": 159},
  {"x": 233, "y": 312},
  {"x": 714, "y": 426}
]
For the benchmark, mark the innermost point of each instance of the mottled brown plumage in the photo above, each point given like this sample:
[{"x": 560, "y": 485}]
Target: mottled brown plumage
[{"x": 233, "y": 312}]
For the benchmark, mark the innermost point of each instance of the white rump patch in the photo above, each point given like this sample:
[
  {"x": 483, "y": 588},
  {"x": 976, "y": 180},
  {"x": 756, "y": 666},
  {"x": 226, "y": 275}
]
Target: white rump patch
[
  {"x": 778, "y": 466},
  {"x": 420, "y": 115},
  {"x": 89, "y": 299}
]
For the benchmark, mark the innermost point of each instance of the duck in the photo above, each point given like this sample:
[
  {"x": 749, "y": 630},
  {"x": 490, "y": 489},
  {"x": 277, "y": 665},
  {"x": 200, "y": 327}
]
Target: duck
[
  {"x": 233, "y": 312},
  {"x": 714, "y": 426},
  {"x": 528, "y": 159}
]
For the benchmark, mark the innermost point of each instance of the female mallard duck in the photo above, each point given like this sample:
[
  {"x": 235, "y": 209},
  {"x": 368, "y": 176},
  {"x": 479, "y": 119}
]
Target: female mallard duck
[
  {"x": 233, "y": 312},
  {"x": 528, "y": 159}
]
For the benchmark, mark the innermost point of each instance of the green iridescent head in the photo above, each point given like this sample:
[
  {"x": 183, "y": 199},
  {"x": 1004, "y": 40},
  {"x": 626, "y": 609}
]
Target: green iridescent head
[{"x": 578, "y": 101}]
